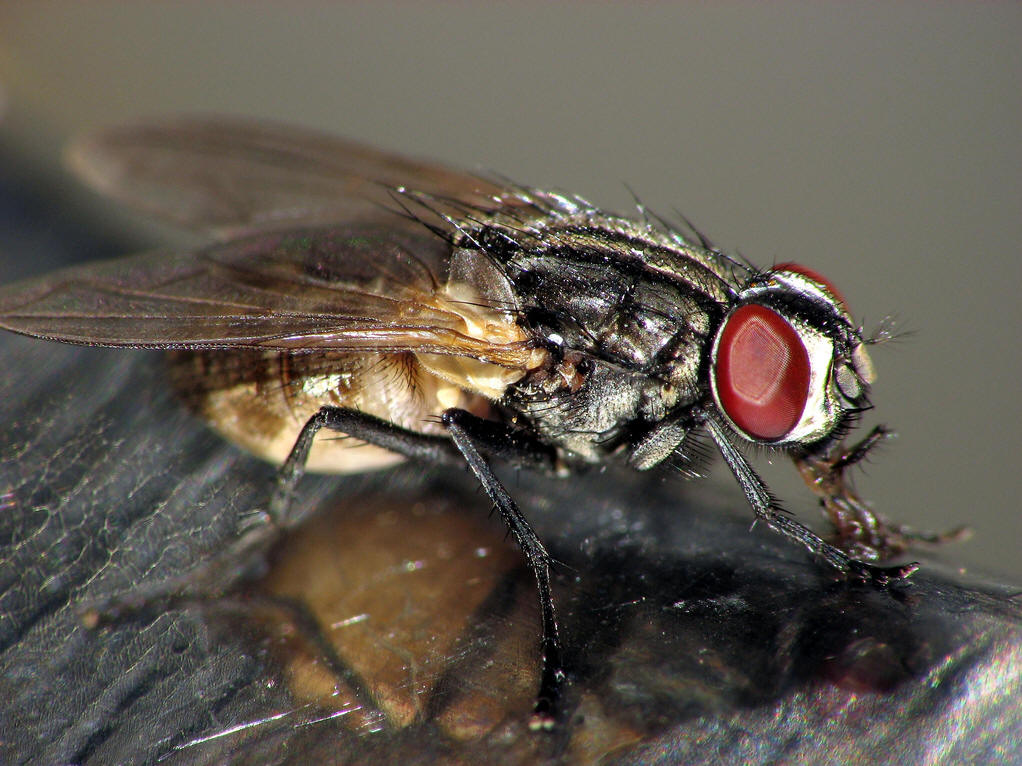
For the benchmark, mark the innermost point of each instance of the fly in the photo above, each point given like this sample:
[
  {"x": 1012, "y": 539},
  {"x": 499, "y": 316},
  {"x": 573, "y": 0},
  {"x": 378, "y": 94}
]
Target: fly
[{"x": 437, "y": 315}]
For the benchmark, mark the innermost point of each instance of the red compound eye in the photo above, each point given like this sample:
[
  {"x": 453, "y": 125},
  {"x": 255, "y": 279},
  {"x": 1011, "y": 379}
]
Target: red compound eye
[
  {"x": 762, "y": 372},
  {"x": 815, "y": 276}
]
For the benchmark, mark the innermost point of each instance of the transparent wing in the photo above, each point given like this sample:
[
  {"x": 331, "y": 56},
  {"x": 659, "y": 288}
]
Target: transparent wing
[
  {"x": 227, "y": 176},
  {"x": 358, "y": 287}
]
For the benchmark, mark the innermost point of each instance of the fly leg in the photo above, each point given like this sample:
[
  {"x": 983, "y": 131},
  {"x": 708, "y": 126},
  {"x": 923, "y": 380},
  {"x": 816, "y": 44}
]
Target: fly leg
[
  {"x": 473, "y": 439},
  {"x": 468, "y": 433},
  {"x": 858, "y": 528},
  {"x": 361, "y": 426},
  {"x": 769, "y": 511}
]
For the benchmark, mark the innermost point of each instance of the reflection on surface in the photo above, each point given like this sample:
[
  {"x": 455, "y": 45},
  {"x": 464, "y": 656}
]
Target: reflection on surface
[
  {"x": 400, "y": 588},
  {"x": 433, "y": 643}
]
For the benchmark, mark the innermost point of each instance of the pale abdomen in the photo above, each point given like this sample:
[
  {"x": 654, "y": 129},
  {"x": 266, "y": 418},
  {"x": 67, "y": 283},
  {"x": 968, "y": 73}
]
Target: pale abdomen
[{"x": 261, "y": 400}]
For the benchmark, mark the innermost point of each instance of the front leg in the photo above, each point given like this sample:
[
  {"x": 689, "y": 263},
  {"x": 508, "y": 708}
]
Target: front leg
[
  {"x": 769, "y": 510},
  {"x": 858, "y": 528}
]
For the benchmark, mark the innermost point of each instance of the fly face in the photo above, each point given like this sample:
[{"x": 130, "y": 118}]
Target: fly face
[{"x": 439, "y": 316}]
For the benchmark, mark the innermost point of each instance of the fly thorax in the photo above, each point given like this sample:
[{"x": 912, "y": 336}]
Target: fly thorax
[
  {"x": 591, "y": 407},
  {"x": 586, "y": 415},
  {"x": 625, "y": 312}
]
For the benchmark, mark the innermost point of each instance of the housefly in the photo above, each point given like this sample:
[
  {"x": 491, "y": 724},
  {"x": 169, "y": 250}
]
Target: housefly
[{"x": 433, "y": 314}]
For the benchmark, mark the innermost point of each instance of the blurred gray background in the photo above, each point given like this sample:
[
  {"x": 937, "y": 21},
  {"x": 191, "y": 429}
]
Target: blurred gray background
[{"x": 878, "y": 144}]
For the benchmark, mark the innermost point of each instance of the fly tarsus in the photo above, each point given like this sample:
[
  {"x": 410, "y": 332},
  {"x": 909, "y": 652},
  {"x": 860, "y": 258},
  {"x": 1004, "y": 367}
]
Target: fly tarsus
[
  {"x": 881, "y": 576},
  {"x": 861, "y": 449},
  {"x": 858, "y": 529}
]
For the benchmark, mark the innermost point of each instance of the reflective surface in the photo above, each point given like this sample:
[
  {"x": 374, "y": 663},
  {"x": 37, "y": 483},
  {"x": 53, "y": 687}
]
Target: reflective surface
[{"x": 688, "y": 636}]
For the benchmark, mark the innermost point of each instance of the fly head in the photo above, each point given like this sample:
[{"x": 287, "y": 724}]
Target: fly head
[{"x": 789, "y": 366}]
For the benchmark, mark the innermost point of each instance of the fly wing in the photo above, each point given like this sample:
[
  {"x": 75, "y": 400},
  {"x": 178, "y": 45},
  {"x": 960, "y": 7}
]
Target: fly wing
[
  {"x": 363, "y": 287},
  {"x": 227, "y": 176}
]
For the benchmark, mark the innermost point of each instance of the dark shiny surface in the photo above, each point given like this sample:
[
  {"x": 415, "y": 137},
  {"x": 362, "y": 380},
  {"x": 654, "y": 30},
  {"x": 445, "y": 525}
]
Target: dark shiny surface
[{"x": 690, "y": 638}]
